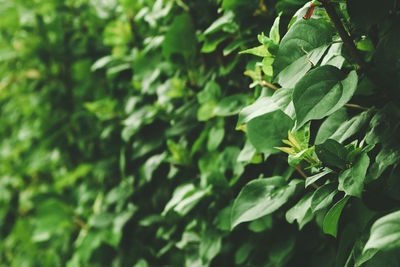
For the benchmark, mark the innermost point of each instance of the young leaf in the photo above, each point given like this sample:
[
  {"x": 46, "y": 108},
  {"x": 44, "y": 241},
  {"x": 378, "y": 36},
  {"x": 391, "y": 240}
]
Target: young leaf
[
  {"x": 261, "y": 197},
  {"x": 260, "y": 51},
  {"x": 352, "y": 180},
  {"x": 321, "y": 92},
  {"x": 331, "y": 220},
  {"x": 385, "y": 233}
]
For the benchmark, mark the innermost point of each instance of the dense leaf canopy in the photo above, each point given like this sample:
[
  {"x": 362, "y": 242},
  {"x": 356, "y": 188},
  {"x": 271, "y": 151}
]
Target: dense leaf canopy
[{"x": 199, "y": 133}]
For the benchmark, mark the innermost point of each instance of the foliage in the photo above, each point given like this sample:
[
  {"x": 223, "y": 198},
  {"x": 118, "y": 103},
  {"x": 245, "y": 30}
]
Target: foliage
[{"x": 131, "y": 137}]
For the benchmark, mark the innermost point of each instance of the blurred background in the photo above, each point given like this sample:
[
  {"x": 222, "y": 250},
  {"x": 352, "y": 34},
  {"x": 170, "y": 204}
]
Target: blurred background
[{"x": 118, "y": 144}]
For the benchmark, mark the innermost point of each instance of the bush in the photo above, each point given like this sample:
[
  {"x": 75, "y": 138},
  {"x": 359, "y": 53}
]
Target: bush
[{"x": 131, "y": 137}]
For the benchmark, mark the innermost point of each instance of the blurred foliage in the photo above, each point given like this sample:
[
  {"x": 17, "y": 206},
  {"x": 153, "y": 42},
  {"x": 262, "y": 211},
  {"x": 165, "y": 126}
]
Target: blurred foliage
[{"x": 120, "y": 144}]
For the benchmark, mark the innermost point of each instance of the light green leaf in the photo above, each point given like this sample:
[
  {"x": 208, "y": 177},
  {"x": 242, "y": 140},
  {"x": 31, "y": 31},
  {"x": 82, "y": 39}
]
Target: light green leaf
[
  {"x": 231, "y": 105},
  {"x": 283, "y": 98},
  {"x": 262, "y": 106},
  {"x": 274, "y": 32},
  {"x": 352, "y": 180},
  {"x": 260, "y": 51},
  {"x": 215, "y": 137},
  {"x": 261, "y": 197},
  {"x": 321, "y": 92},
  {"x": 385, "y": 233},
  {"x": 331, "y": 220},
  {"x": 210, "y": 245}
]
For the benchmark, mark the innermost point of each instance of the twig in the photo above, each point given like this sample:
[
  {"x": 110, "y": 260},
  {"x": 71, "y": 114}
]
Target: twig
[
  {"x": 356, "y": 106},
  {"x": 374, "y": 76},
  {"x": 300, "y": 171},
  {"x": 344, "y": 35},
  {"x": 269, "y": 85}
]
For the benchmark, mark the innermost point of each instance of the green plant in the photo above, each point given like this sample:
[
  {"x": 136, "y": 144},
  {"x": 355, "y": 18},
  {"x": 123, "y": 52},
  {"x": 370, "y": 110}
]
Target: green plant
[{"x": 131, "y": 137}]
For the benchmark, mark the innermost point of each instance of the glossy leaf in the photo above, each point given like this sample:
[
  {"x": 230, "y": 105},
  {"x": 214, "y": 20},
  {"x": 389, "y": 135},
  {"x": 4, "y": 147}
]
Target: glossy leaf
[
  {"x": 302, "y": 46},
  {"x": 331, "y": 220},
  {"x": 261, "y": 197},
  {"x": 385, "y": 233},
  {"x": 321, "y": 92}
]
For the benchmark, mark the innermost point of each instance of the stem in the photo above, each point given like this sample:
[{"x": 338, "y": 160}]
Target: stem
[
  {"x": 356, "y": 106},
  {"x": 269, "y": 85},
  {"x": 354, "y": 53},
  {"x": 344, "y": 35},
  {"x": 300, "y": 171}
]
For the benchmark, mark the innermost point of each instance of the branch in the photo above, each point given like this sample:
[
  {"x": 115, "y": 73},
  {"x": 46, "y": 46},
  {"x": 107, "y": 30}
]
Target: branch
[
  {"x": 354, "y": 53},
  {"x": 300, "y": 171},
  {"x": 269, "y": 85},
  {"x": 344, "y": 35},
  {"x": 355, "y": 106}
]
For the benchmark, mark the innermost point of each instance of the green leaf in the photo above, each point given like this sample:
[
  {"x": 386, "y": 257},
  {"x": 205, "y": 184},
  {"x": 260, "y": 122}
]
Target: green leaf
[
  {"x": 323, "y": 196},
  {"x": 321, "y": 92},
  {"x": 274, "y": 32},
  {"x": 212, "y": 41},
  {"x": 301, "y": 212},
  {"x": 215, "y": 137},
  {"x": 302, "y": 46},
  {"x": 225, "y": 19},
  {"x": 331, "y": 220},
  {"x": 267, "y": 131},
  {"x": 231, "y": 105},
  {"x": 283, "y": 98},
  {"x": 330, "y": 125},
  {"x": 181, "y": 26},
  {"x": 261, "y": 197},
  {"x": 385, "y": 233},
  {"x": 312, "y": 179},
  {"x": 210, "y": 245},
  {"x": 242, "y": 253},
  {"x": 260, "y": 107},
  {"x": 332, "y": 154},
  {"x": 351, "y": 127},
  {"x": 260, "y": 51},
  {"x": 352, "y": 180}
]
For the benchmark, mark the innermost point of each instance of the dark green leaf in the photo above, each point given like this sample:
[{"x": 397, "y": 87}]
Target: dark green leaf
[
  {"x": 302, "y": 46},
  {"x": 385, "y": 233},
  {"x": 267, "y": 131},
  {"x": 352, "y": 180},
  {"x": 301, "y": 212},
  {"x": 331, "y": 220},
  {"x": 321, "y": 92},
  {"x": 332, "y": 154},
  {"x": 323, "y": 196}
]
